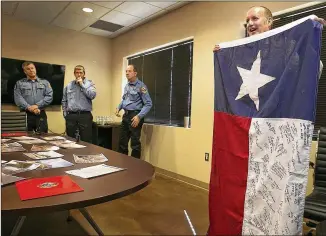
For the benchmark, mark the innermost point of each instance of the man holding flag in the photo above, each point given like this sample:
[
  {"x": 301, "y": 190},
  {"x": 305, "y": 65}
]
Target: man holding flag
[{"x": 265, "y": 102}]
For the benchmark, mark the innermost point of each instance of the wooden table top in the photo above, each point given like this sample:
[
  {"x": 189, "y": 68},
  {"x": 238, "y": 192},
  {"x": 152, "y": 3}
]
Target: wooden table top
[{"x": 96, "y": 190}]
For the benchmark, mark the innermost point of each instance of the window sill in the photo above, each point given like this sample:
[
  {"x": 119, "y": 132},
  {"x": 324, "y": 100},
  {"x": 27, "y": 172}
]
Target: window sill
[{"x": 166, "y": 125}]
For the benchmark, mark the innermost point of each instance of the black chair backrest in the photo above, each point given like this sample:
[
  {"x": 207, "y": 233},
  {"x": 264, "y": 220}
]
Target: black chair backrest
[
  {"x": 13, "y": 121},
  {"x": 320, "y": 166}
]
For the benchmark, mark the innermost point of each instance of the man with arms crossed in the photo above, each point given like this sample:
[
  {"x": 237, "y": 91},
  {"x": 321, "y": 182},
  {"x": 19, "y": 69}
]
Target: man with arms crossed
[
  {"x": 77, "y": 105},
  {"x": 32, "y": 94},
  {"x": 136, "y": 103}
]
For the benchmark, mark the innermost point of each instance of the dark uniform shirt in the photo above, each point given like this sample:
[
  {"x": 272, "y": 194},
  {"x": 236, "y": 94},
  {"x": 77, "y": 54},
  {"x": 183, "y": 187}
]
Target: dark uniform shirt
[
  {"x": 136, "y": 97},
  {"x": 78, "y": 98},
  {"x": 29, "y": 92}
]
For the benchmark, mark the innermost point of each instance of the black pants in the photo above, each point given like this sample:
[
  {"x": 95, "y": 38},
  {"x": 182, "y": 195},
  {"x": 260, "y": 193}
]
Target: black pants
[
  {"x": 128, "y": 132},
  {"x": 83, "y": 121},
  {"x": 37, "y": 123}
]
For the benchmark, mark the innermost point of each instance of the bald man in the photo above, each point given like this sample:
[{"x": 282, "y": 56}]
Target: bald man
[{"x": 259, "y": 19}]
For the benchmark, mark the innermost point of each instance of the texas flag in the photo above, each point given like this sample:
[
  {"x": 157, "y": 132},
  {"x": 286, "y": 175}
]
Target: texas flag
[{"x": 265, "y": 105}]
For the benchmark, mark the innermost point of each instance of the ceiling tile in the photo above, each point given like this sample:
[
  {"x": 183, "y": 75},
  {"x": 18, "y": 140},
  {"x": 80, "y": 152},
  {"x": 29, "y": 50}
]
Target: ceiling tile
[
  {"x": 139, "y": 9},
  {"x": 41, "y": 12},
  {"x": 161, "y": 4},
  {"x": 97, "y": 32},
  {"x": 8, "y": 7},
  {"x": 73, "y": 21},
  {"x": 120, "y": 18},
  {"x": 110, "y": 5},
  {"x": 76, "y": 7}
]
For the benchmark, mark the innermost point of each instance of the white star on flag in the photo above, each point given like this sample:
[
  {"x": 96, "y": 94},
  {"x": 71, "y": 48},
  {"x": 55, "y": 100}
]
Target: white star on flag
[{"x": 252, "y": 80}]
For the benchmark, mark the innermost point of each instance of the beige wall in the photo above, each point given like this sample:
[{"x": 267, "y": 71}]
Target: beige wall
[
  {"x": 177, "y": 149},
  {"x": 56, "y": 45}
]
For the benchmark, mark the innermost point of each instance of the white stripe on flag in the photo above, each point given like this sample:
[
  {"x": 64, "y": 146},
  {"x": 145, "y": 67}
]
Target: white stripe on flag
[{"x": 279, "y": 152}]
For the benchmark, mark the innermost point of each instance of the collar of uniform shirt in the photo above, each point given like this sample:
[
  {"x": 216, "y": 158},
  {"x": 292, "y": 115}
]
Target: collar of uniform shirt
[
  {"x": 133, "y": 83},
  {"x": 37, "y": 79}
]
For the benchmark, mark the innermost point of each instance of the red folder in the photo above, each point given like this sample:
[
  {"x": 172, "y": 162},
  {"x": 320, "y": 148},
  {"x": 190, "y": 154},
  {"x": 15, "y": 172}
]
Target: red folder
[
  {"x": 45, "y": 187},
  {"x": 13, "y": 134}
]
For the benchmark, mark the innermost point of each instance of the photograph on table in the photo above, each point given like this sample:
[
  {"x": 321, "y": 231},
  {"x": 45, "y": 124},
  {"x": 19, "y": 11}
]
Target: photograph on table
[
  {"x": 71, "y": 145},
  {"x": 4, "y": 140},
  {"x": 40, "y": 148},
  {"x": 53, "y": 138},
  {"x": 12, "y": 147},
  {"x": 32, "y": 141},
  {"x": 97, "y": 158},
  {"x": 23, "y": 138},
  {"x": 59, "y": 142},
  {"x": 15, "y": 166},
  {"x": 43, "y": 155}
]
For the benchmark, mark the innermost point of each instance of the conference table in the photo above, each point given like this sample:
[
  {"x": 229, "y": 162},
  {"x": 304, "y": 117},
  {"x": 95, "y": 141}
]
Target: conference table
[{"x": 138, "y": 174}]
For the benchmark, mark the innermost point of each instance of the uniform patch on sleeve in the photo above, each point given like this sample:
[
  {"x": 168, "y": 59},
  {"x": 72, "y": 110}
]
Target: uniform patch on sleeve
[{"x": 143, "y": 90}]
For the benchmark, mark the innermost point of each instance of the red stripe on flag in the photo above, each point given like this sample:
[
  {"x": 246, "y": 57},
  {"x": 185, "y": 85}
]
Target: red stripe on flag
[{"x": 229, "y": 172}]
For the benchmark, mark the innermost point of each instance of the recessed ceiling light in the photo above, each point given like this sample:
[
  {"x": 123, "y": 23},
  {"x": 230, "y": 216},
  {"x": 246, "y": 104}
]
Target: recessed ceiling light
[{"x": 86, "y": 9}]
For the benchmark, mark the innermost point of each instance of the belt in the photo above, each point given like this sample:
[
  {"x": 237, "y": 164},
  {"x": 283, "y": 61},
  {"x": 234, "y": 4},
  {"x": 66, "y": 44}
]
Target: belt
[
  {"x": 78, "y": 112},
  {"x": 28, "y": 112},
  {"x": 131, "y": 111}
]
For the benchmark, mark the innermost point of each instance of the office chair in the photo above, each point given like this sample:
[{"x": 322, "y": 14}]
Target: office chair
[
  {"x": 13, "y": 122},
  {"x": 315, "y": 204}
]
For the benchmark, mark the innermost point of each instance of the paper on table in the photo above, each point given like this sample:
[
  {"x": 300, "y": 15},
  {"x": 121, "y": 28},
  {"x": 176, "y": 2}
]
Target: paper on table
[
  {"x": 3, "y": 161},
  {"x": 94, "y": 171},
  {"x": 43, "y": 155},
  {"x": 56, "y": 163},
  {"x": 8, "y": 179}
]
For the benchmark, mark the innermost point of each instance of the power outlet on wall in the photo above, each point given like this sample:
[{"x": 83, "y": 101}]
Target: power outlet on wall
[{"x": 206, "y": 156}]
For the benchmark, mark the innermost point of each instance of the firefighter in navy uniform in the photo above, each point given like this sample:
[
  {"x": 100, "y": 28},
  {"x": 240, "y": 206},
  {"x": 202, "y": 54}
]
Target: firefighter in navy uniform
[
  {"x": 136, "y": 103},
  {"x": 77, "y": 105},
  {"x": 32, "y": 95}
]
